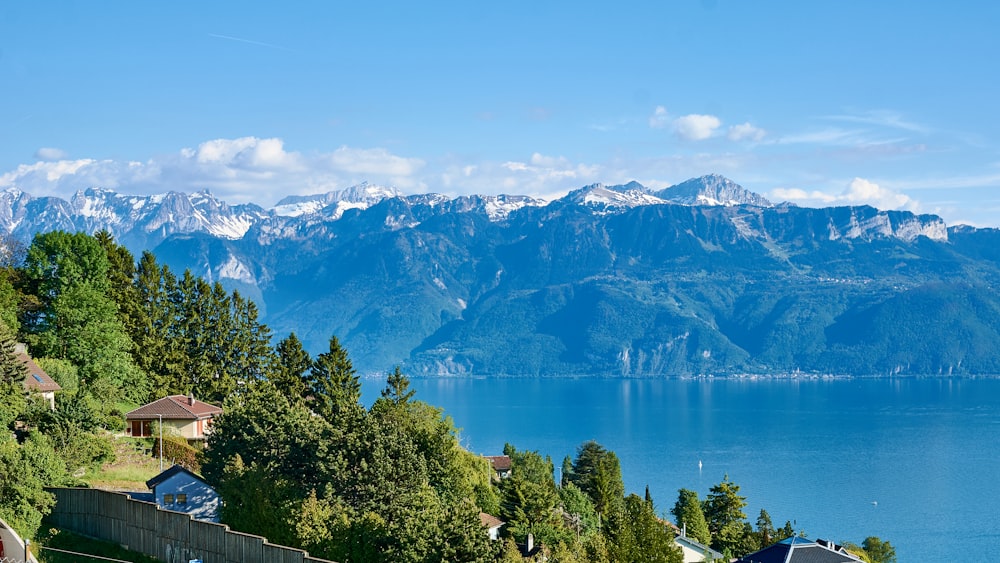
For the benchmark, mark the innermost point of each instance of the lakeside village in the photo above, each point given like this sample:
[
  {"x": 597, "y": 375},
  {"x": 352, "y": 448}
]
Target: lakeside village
[
  {"x": 181, "y": 425},
  {"x": 229, "y": 448}
]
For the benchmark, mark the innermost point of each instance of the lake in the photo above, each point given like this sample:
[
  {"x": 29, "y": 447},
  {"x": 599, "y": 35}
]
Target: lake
[{"x": 913, "y": 461}]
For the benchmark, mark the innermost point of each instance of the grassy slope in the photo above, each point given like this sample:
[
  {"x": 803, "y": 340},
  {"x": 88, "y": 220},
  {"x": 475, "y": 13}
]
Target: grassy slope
[{"x": 130, "y": 470}]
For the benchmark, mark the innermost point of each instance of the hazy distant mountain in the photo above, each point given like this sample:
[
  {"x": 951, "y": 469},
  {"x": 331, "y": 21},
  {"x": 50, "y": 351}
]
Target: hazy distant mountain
[{"x": 700, "y": 278}]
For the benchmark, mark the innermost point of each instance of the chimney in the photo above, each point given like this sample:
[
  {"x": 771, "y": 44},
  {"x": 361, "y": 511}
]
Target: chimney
[{"x": 191, "y": 399}]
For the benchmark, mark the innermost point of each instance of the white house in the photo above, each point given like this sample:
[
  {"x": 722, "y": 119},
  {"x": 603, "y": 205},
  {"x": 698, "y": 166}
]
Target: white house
[
  {"x": 695, "y": 552},
  {"x": 492, "y": 525},
  {"x": 181, "y": 490}
]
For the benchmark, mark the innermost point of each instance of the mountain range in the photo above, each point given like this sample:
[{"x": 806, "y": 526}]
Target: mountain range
[{"x": 701, "y": 278}]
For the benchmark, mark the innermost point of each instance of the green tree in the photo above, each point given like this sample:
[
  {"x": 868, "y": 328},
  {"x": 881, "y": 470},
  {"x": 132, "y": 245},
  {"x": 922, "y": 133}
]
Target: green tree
[
  {"x": 726, "y": 519},
  {"x": 58, "y": 260},
  {"x": 637, "y": 535},
  {"x": 765, "y": 529},
  {"x": 690, "y": 517},
  {"x": 580, "y": 514},
  {"x": 397, "y": 388},
  {"x": 528, "y": 499},
  {"x": 24, "y": 470},
  {"x": 333, "y": 383},
  {"x": 597, "y": 472},
  {"x": 121, "y": 282},
  {"x": 155, "y": 334},
  {"x": 879, "y": 551},
  {"x": 292, "y": 369},
  {"x": 783, "y": 532},
  {"x": 89, "y": 334}
]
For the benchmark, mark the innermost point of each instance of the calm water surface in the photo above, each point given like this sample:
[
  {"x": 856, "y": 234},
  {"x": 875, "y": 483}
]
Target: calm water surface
[{"x": 913, "y": 461}]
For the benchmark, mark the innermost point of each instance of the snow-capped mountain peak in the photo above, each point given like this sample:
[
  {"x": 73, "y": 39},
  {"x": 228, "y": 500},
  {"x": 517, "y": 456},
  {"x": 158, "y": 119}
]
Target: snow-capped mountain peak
[
  {"x": 713, "y": 189},
  {"x": 602, "y": 198},
  {"x": 361, "y": 196}
]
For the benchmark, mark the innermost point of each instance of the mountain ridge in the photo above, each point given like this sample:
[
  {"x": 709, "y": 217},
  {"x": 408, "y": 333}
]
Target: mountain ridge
[{"x": 608, "y": 280}]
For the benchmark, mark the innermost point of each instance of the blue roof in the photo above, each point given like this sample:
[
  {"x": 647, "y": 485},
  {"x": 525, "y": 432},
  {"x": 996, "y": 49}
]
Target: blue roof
[{"x": 796, "y": 540}]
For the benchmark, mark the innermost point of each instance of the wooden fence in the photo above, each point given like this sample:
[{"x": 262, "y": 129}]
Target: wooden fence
[{"x": 173, "y": 537}]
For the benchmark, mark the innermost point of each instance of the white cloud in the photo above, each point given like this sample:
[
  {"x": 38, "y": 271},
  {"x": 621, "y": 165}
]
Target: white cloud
[
  {"x": 539, "y": 175},
  {"x": 858, "y": 192},
  {"x": 660, "y": 118},
  {"x": 862, "y": 191},
  {"x": 237, "y": 170},
  {"x": 374, "y": 161},
  {"x": 882, "y": 118},
  {"x": 745, "y": 132},
  {"x": 696, "y": 127},
  {"x": 50, "y": 153}
]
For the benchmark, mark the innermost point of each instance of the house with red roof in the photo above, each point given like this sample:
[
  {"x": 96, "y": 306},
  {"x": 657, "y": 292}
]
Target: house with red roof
[
  {"x": 188, "y": 416},
  {"x": 501, "y": 466}
]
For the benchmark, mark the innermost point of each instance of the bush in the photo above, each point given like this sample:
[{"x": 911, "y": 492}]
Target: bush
[{"x": 178, "y": 451}]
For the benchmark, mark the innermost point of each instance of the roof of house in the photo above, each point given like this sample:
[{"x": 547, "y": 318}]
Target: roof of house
[
  {"x": 490, "y": 521},
  {"x": 170, "y": 472},
  {"x": 500, "y": 462},
  {"x": 694, "y": 545},
  {"x": 36, "y": 378},
  {"x": 179, "y": 407},
  {"x": 798, "y": 550}
]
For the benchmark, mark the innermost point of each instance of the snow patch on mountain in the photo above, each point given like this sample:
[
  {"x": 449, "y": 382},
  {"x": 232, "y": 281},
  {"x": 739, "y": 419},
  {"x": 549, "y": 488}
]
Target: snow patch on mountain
[
  {"x": 361, "y": 196},
  {"x": 611, "y": 199},
  {"x": 712, "y": 190},
  {"x": 234, "y": 269}
]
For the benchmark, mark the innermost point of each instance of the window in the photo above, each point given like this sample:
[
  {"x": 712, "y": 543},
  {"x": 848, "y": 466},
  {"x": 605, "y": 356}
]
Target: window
[
  {"x": 182, "y": 498},
  {"x": 168, "y": 499}
]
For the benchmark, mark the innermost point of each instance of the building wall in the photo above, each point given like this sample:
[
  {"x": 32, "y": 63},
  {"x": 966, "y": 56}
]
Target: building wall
[
  {"x": 189, "y": 495},
  {"x": 189, "y": 429}
]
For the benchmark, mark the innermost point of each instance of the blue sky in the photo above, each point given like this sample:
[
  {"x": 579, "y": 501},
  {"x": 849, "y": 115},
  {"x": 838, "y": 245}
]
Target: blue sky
[{"x": 821, "y": 103}]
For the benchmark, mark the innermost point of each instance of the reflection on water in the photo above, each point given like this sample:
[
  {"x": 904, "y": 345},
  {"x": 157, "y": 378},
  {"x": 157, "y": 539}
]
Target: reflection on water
[{"x": 903, "y": 459}]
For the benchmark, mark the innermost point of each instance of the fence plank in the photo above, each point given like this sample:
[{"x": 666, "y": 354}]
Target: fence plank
[{"x": 164, "y": 534}]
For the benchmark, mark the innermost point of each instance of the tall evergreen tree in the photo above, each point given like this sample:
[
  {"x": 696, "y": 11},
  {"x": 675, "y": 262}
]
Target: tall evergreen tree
[
  {"x": 636, "y": 534},
  {"x": 731, "y": 533},
  {"x": 291, "y": 373},
  {"x": 397, "y": 388},
  {"x": 12, "y": 374},
  {"x": 690, "y": 516},
  {"x": 333, "y": 384},
  {"x": 528, "y": 499},
  {"x": 122, "y": 288},
  {"x": 598, "y": 473},
  {"x": 765, "y": 529}
]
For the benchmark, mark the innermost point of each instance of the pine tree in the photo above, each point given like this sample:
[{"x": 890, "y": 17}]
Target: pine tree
[
  {"x": 290, "y": 374},
  {"x": 726, "y": 519},
  {"x": 690, "y": 516},
  {"x": 333, "y": 384},
  {"x": 397, "y": 388},
  {"x": 12, "y": 374},
  {"x": 765, "y": 529},
  {"x": 598, "y": 473}
]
